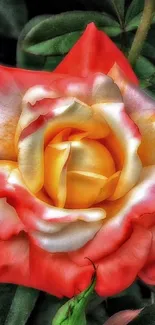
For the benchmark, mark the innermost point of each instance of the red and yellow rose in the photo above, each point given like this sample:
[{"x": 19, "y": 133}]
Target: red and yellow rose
[{"x": 77, "y": 173}]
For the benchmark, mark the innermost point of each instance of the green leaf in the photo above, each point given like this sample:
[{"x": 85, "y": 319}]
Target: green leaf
[
  {"x": 13, "y": 17},
  {"x": 134, "y": 23},
  {"x": 119, "y": 7},
  {"x": 46, "y": 39},
  {"x": 55, "y": 46},
  {"x": 149, "y": 50},
  {"x": 23, "y": 303},
  {"x": 45, "y": 309},
  {"x": 65, "y": 23},
  {"x": 135, "y": 8},
  {"x": 144, "y": 68},
  {"x": 27, "y": 60},
  {"x": 73, "y": 312},
  {"x": 7, "y": 292}
]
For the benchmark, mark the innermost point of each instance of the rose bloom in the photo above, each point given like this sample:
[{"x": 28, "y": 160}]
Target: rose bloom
[{"x": 77, "y": 173}]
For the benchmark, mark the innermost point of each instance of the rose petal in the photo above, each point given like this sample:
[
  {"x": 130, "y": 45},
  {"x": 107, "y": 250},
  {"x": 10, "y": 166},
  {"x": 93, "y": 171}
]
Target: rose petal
[
  {"x": 21, "y": 260},
  {"x": 94, "y": 52},
  {"x": 83, "y": 188},
  {"x": 147, "y": 274},
  {"x": 31, "y": 160},
  {"x": 13, "y": 83},
  {"x": 73, "y": 278},
  {"x": 141, "y": 109},
  {"x": 39, "y": 218},
  {"x": 10, "y": 223},
  {"x": 134, "y": 98},
  {"x": 129, "y": 137},
  {"x": 121, "y": 214},
  {"x": 70, "y": 238},
  {"x": 55, "y": 159},
  {"x": 96, "y": 87},
  {"x": 123, "y": 317},
  {"x": 14, "y": 261},
  {"x": 109, "y": 187},
  {"x": 116, "y": 149},
  {"x": 61, "y": 113},
  {"x": 118, "y": 271}
]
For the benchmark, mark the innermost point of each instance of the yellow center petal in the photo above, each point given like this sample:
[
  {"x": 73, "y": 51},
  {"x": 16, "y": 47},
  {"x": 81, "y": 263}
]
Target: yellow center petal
[{"x": 76, "y": 172}]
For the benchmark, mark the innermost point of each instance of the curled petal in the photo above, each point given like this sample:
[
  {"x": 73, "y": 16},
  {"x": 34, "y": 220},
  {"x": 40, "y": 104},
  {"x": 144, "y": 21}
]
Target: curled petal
[
  {"x": 134, "y": 98},
  {"x": 13, "y": 84},
  {"x": 70, "y": 238},
  {"x": 108, "y": 188},
  {"x": 141, "y": 108},
  {"x": 31, "y": 160},
  {"x": 55, "y": 173},
  {"x": 145, "y": 121},
  {"x": 129, "y": 137},
  {"x": 81, "y": 60},
  {"x": 10, "y": 99},
  {"x": 96, "y": 87},
  {"x": 10, "y": 223}
]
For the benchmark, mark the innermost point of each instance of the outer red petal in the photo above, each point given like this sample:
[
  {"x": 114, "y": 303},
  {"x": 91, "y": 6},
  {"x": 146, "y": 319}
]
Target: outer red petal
[
  {"x": 24, "y": 78},
  {"x": 117, "y": 271},
  {"x": 148, "y": 272},
  {"x": 25, "y": 264},
  {"x": 94, "y": 52},
  {"x": 13, "y": 84}
]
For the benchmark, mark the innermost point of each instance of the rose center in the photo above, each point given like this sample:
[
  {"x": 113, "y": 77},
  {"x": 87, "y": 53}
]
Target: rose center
[{"x": 75, "y": 172}]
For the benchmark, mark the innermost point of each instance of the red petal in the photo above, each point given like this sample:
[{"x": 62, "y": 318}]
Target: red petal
[
  {"x": 25, "y": 264},
  {"x": 148, "y": 272},
  {"x": 138, "y": 205},
  {"x": 94, "y": 52},
  {"x": 117, "y": 271}
]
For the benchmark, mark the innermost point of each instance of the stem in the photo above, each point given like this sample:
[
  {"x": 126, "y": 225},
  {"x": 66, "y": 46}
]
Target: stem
[
  {"x": 142, "y": 31},
  {"x": 22, "y": 305}
]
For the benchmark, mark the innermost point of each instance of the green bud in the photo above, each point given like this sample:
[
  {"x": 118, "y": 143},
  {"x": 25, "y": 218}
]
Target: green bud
[{"x": 73, "y": 311}]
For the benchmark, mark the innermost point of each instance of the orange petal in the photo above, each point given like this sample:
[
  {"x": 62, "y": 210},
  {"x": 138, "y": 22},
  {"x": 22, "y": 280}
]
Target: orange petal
[
  {"x": 82, "y": 189},
  {"x": 55, "y": 172},
  {"x": 146, "y": 124},
  {"x": 108, "y": 189},
  {"x": 90, "y": 156}
]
